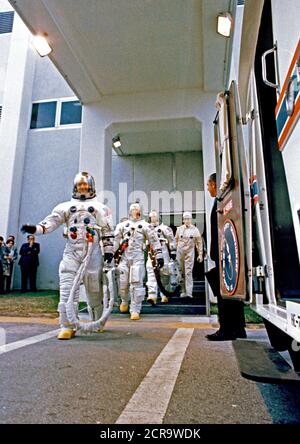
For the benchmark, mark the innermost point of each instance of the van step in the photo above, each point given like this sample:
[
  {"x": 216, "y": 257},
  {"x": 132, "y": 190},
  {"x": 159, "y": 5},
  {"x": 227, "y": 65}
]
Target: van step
[{"x": 260, "y": 362}]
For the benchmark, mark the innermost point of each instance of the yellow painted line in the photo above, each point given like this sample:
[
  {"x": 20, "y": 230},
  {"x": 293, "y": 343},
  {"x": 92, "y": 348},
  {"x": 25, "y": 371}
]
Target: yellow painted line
[
  {"x": 174, "y": 325},
  {"x": 125, "y": 323},
  {"x": 29, "y": 320},
  {"x": 112, "y": 322}
]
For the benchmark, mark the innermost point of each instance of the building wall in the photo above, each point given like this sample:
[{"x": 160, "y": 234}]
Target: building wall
[
  {"x": 4, "y": 50},
  {"x": 51, "y": 163},
  {"x": 48, "y": 82},
  {"x": 4, "y": 45},
  {"x": 146, "y": 173}
]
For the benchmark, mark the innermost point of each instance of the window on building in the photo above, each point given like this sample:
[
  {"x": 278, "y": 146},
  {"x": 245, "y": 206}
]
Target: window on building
[
  {"x": 70, "y": 112},
  {"x": 6, "y": 22},
  {"x": 0, "y": 112},
  {"x": 55, "y": 113},
  {"x": 43, "y": 115}
]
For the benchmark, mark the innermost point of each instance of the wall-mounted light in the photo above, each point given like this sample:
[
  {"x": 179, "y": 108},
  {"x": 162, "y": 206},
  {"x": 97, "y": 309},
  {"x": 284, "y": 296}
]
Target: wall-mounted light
[
  {"x": 41, "y": 45},
  {"x": 116, "y": 142},
  {"x": 224, "y": 24}
]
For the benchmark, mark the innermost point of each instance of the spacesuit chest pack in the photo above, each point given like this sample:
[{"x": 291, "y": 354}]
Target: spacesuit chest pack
[{"x": 82, "y": 223}]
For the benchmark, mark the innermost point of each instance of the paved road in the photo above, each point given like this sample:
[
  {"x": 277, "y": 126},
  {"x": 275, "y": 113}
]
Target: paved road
[{"x": 128, "y": 370}]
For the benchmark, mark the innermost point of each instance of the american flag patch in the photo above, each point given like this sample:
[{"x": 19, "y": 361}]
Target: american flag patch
[{"x": 254, "y": 190}]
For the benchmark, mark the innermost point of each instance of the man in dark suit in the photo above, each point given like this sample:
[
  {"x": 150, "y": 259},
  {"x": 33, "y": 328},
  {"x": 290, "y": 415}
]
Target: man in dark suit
[
  {"x": 231, "y": 313},
  {"x": 29, "y": 262}
]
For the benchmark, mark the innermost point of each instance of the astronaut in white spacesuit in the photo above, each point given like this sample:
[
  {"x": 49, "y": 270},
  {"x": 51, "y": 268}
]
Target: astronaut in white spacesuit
[
  {"x": 88, "y": 222},
  {"x": 187, "y": 238},
  {"x": 168, "y": 246},
  {"x": 130, "y": 239}
]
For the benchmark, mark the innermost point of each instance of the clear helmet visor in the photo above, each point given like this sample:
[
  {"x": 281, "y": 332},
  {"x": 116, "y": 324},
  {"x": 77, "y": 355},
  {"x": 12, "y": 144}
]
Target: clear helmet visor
[
  {"x": 135, "y": 211},
  {"x": 187, "y": 218},
  {"x": 154, "y": 218},
  {"x": 84, "y": 186}
]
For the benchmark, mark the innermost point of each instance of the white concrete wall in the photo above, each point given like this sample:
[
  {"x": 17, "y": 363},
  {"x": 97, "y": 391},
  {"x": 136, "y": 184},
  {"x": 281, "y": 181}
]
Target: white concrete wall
[
  {"x": 51, "y": 162},
  {"x": 48, "y": 82},
  {"x": 155, "y": 172},
  {"x": 140, "y": 107},
  {"x": 5, "y": 6},
  {"x": 14, "y": 125},
  {"x": 4, "y": 50},
  {"x": 37, "y": 166}
]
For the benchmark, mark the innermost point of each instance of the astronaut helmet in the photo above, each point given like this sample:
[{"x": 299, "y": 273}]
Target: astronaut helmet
[
  {"x": 135, "y": 211},
  {"x": 154, "y": 218},
  {"x": 187, "y": 218},
  {"x": 84, "y": 186}
]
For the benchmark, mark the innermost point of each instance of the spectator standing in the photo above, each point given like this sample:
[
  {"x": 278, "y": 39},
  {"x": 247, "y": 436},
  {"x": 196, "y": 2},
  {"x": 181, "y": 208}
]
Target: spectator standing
[
  {"x": 10, "y": 256},
  {"x": 29, "y": 262}
]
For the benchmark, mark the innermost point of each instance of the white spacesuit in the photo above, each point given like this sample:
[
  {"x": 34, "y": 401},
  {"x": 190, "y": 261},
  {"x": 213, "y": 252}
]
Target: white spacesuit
[
  {"x": 87, "y": 223},
  {"x": 132, "y": 234},
  {"x": 168, "y": 243},
  {"x": 187, "y": 238}
]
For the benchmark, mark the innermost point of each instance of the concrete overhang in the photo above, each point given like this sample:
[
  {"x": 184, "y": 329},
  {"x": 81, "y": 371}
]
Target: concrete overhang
[
  {"x": 112, "y": 47},
  {"x": 157, "y": 136}
]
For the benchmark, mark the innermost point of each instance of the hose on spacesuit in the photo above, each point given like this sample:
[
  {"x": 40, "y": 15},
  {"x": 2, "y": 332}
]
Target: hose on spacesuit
[
  {"x": 164, "y": 291},
  {"x": 108, "y": 299},
  {"x": 70, "y": 311},
  {"x": 108, "y": 304}
]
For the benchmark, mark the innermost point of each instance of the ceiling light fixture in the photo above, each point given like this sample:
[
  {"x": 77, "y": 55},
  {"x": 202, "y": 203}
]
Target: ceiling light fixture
[
  {"x": 116, "y": 142},
  {"x": 41, "y": 45},
  {"x": 224, "y": 24}
]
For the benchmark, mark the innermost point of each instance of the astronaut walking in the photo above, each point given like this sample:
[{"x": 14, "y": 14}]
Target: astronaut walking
[
  {"x": 130, "y": 239},
  {"x": 88, "y": 222},
  {"x": 187, "y": 238},
  {"x": 168, "y": 246}
]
